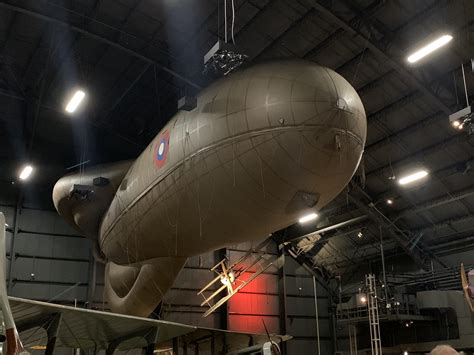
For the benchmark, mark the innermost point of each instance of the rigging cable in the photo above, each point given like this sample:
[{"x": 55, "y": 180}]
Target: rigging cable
[
  {"x": 225, "y": 20},
  {"x": 233, "y": 21}
]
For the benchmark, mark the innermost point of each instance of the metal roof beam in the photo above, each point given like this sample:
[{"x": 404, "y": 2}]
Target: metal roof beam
[
  {"x": 331, "y": 227},
  {"x": 102, "y": 39},
  {"x": 438, "y": 116},
  {"x": 291, "y": 27},
  {"x": 15, "y": 96},
  {"x": 433, "y": 247},
  {"x": 412, "y": 79},
  {"x": 451, "y": 197},
  {"x": 445, "y": 223},
  {"x": 420, "y": 154},
  {"x": 417, "y": 254},
  {"x": 438, "y": 174}
]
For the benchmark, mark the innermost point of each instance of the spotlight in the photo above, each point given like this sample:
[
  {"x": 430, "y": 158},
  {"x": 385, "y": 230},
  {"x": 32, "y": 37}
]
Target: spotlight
[
  {"x": 405, "y": 352},
  {"x": 462, "y": 119},
  {"x": 413, "y": 177},
  {"x": 431, "y": 47},
  {"x": 389, "y": 201},
  {"x": 26, "y": 172},
  {"x": 75, "y": 101},
  {"x": 308, "y": 218}
]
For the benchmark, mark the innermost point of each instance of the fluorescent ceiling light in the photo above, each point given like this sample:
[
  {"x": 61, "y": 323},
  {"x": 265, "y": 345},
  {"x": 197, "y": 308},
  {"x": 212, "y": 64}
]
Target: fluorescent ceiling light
[
  {"x": 26, "y": 172},
  {"x": 436, "y": 44},
  {"x": 75, "y": 101},
  {"x": 413, "y": 177},
  {"x": 308, "y": 218}
]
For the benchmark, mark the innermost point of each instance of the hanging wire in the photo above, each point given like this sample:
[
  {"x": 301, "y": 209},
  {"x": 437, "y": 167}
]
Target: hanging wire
[
  {"x": 158, "y": 108},
  {"x": 360, "y": 62},
  {"x": 455, "y": 89},
  {"x": 225, "y": 20},
  {"x": 83, "y": 156},
  {"x": 233, "y": 21}
]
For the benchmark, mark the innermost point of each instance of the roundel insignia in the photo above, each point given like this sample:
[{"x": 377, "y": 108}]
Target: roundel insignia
[{"x": 160, "y": 151}]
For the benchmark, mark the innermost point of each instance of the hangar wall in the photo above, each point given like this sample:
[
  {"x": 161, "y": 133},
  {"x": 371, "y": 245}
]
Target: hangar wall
[
  {"x": 53, "y": 263},
  {"x": 50, "y": 260}
]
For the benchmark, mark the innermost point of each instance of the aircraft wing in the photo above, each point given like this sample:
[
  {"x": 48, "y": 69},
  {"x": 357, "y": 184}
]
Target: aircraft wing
[{"x": 90, "y": 329}]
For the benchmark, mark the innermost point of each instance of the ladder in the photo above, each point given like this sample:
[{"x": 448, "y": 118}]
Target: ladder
[{"x": 373, "y": 312}]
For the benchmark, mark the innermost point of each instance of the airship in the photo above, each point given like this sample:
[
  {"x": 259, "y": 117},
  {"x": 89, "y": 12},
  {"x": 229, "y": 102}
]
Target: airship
[{"x": 263, "y": 147}]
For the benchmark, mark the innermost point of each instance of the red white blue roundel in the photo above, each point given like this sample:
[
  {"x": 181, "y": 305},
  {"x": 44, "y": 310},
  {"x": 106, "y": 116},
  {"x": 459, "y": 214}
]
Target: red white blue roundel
[{"x": 160, "y": 152}]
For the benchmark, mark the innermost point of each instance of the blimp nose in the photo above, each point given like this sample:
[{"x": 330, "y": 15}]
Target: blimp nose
[
  {"x": 321, "y": 123},
  {"x": 322, "y": 97},
  {"x": 298, "y": 93}
]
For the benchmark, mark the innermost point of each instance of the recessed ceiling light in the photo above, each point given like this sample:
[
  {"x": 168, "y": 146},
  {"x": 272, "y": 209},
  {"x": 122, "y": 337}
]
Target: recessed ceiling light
[
  {"x": 26, "y": 172},
  {"x": 75, "y": 101},
  {"x": 413, "y": 177},
  {"x": 429, "y": 48},
  {"x": 308, "y": 218},
  {"x": 389, "y": 201}
]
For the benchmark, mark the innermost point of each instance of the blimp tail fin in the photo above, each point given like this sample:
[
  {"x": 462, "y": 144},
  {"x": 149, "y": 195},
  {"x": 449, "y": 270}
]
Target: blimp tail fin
[{"x": 137, "y": 289}]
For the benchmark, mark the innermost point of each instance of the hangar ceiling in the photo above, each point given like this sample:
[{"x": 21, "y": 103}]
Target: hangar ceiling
[{"x": 137, "y": 57}]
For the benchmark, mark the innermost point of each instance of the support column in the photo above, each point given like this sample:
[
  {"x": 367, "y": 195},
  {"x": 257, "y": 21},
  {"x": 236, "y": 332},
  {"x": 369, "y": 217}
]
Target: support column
[
  {"x": 213, "y": 344},
  {"x": 224, "y": 314},
  {"x": 282, "y": 293},
  {"x": 185, "y": 348},
  {"x": 12, "y": 241},
  {"x": 150, "y": 349},
  {"x": 151, "y": 339},
  {"x": 175, "y": 346},
  {"x": 316, "y": 313},
  {"x": 52, "y": 331},
  {"x": 92, "y": 282}
]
